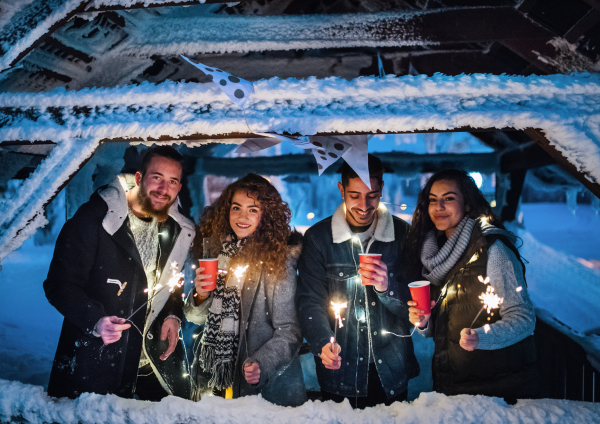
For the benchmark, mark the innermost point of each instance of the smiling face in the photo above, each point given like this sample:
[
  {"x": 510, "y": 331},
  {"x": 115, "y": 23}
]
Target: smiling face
[
  {"x": 446, "y": 206},
  {"x": 244, "y": 214},
  {"x": 159, "y": 186},
  {"x": 361, "y": 202}
]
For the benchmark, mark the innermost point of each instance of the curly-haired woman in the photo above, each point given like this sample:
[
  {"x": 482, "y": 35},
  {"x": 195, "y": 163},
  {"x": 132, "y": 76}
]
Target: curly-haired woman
[
  {"x": 251, "y": 334},
  {"x": 456, "y": 238}
]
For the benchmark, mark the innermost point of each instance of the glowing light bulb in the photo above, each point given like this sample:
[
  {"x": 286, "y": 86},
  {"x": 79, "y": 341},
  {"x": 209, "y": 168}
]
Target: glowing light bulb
[{"x": 310, "y": 215}]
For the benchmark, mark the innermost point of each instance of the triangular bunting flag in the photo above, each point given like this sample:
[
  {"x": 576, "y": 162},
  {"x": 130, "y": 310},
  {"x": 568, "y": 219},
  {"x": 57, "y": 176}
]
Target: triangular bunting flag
[
  {"x": 327, "y": 150},
  {"x": 237, "y": 89}
]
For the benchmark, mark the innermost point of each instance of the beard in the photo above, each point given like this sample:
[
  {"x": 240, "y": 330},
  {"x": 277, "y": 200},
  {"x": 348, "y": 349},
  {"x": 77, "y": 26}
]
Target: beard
[{"x": 148, "y": 208}]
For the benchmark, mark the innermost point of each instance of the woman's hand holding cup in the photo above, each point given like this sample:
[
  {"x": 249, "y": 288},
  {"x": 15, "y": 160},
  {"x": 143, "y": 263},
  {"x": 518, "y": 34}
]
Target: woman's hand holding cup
[
  {"x": 201, "y": 281},
  {"x": 416, "y": 315}
]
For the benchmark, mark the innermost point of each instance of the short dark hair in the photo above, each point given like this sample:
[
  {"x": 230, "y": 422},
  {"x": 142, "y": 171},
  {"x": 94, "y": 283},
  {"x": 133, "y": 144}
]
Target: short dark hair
[
  {"x": 376, "y": 170},
  {"x": 162, "y": 151}
]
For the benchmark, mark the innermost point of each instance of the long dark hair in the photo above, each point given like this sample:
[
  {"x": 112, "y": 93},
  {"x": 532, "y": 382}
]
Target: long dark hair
[
  {"x": 476, "y": 204},
  {"x": 268, "y": 242}
]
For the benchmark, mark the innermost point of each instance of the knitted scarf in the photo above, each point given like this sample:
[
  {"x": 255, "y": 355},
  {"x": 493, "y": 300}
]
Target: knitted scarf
[
  {"x": 220, "y": 338},
  {"x": 438, "y": 262}
]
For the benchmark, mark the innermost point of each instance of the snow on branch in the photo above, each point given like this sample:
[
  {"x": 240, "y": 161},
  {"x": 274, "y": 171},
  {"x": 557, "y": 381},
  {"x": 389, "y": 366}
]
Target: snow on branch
[{"x": 20, "y": 401}]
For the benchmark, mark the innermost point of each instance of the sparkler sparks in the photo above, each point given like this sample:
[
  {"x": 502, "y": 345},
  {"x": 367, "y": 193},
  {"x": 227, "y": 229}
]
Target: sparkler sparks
[
  {"x": 489, "y": 299},
  {"x": 337, "y": 307},
  {"x": 175, "y": 281},
  {"x": 486, "y": 328},
  {"x": 239, "y": 271}
]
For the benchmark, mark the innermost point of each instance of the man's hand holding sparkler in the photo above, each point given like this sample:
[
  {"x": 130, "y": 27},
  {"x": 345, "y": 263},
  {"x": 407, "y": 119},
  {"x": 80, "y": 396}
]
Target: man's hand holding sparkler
[
  {"x": 468, "y": 339},
  {"x": 330, "y": 356},
  {"x": 170, "y": 330},
  {"x": 375, "y": 272},
  {"x": 416, "y": 316},
  {"x": 199, "y": 283},
  {"x": 110, "y": 328}
]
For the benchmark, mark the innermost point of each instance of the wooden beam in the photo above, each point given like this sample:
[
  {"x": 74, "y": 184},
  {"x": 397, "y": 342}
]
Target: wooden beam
[
  {"x": 583, "y": 25},
  {"x": 48, "y": 33},
  {"x": 143, "y": 5},
  {"x": 537, "y": 136},
  {"x": 512, "y": 195},
  {"x": 398, "y": 163},
  {"x": 527, "y": 156}
]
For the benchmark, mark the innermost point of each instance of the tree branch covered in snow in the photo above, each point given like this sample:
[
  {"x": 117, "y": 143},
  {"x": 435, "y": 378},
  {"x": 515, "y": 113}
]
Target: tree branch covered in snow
[{"x": 20, "y": 401}]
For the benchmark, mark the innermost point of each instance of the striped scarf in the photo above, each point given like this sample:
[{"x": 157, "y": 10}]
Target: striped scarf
[
  {"x": 219, "y": 343},
  {"x": 438, "y": 262}
]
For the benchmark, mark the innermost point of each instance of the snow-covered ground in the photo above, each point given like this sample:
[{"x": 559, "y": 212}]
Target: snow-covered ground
[{"x": 32, "y": 404}]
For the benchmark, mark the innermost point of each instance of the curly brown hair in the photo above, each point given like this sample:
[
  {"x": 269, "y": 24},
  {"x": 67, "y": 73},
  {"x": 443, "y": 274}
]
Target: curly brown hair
[{"x": 268, "y": 243}]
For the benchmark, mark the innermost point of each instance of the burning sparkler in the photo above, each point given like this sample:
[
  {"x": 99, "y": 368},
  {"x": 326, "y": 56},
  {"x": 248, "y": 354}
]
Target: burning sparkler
[
  {"x": 175, "y": 281},
  {"x": 337, "y": 307},
  {"x": 489, "y": 299},
  {"x": 239, "y": 271}
]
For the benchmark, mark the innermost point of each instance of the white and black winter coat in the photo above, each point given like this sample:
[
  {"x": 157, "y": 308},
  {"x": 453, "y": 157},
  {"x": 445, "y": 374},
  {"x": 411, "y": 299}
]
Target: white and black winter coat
[{"x": 95, "y": 255}]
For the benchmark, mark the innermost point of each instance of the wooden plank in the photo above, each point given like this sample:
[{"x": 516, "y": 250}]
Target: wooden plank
[
  {"x": 537, "y": 136},
  {"x": 583, "y": 25},
  {"x": 527, "y": 156},
  {"x": 48, "y": 33},
  {"x": 143, "y": 5},
  {"x": 398, "y": 163}
]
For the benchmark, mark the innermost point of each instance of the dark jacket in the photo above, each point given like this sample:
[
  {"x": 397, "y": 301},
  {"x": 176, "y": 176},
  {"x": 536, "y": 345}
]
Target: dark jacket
[
  {"x": 94, "y": 246},
  {"x": 328, "y": 272},
  {"x": 269, "y": 335},
  {"x": 509, "y": 372}
]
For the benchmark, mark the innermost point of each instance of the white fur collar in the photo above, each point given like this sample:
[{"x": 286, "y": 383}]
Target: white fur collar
[
  {"x": 116, "y": 199},
  {"x": 383, "y": 232}
]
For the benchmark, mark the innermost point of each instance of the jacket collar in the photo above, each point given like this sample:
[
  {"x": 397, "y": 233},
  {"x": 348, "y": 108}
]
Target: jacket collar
[
  {"x": 115, "y": 196},
  {"x": 383, "y": 232}
]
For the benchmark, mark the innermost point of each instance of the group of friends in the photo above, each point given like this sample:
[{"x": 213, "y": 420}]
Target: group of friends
[{"x": 121, "y": 333}]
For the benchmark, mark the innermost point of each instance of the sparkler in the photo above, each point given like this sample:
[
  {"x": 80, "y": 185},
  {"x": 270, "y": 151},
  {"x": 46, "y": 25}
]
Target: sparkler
[
  {"x": 175, "y": 281},
  {"x": 337, "y": 307},
  {"x": 489, "y": 299}
]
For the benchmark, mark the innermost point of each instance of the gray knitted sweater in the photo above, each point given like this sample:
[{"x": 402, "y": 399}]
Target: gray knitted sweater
[{"x": 517, "y": 312}]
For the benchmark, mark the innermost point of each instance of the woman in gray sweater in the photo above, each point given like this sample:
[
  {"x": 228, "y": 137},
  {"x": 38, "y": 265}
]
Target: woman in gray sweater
[
  {"x": 463, "y": 249},
  {"x": 251, "y": 334}
]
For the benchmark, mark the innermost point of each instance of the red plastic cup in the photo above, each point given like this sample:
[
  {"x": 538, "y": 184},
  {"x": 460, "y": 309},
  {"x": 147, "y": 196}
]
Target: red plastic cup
[
  {"x": 419, "y": 290},
  {"x": 211, "y": 267},
  {"x": 361, "y": 258}
]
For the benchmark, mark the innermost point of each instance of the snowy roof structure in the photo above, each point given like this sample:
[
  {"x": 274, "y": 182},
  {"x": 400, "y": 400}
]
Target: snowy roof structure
[{"x": 565, "y": 108}]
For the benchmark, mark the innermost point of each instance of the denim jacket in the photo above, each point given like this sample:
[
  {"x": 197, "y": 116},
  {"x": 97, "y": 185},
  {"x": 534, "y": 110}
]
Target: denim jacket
[{"x": 328, "y": 271}]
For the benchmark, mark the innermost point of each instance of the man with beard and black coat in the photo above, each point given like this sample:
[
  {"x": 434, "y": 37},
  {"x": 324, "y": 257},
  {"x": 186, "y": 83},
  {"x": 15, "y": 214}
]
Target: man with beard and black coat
[{"x": 115, "y": 254}]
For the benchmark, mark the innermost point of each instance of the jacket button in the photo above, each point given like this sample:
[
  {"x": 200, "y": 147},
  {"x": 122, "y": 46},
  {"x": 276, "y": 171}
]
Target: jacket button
[
  {"x": 341, "y": 274},
  {"x": 391, "y": 293},
  {"x": 372, "y": 303},
  {"x": 361, "y": 358},
  {"x": 391, "y": 274},
  {"x": 150, "y": 336},
  {"x": 391, "y": 392},
  {"x": 374, "y": 333},
  {"x": 380, "y": 361}
]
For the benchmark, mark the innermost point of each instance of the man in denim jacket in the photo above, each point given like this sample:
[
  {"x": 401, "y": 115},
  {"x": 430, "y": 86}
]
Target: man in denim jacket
[{"x": 365, "y": 364}]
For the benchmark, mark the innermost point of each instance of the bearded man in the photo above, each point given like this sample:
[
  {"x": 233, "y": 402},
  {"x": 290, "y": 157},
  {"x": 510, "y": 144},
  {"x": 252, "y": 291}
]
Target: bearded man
[{"x": 118, "y": 252}]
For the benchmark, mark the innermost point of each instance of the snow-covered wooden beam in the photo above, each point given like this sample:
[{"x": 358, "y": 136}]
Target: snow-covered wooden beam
[
  {"x": 193, "y": 32},
  {"x": 105, "y": 5},
  {"x": 27, "y": 24},
  {"x": 565, "y": 108}
]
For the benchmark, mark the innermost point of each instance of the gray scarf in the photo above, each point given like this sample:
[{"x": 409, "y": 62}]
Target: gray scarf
[{"x": 438, "y": 262}]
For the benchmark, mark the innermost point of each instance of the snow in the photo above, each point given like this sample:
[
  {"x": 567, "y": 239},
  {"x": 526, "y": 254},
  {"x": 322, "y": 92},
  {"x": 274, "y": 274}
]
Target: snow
[
  {"x": 29, "y": 20},
  {"x": 565, "y": 107},
  {"x": 128, "y": 3},
  {"x": 22, "y": 214},
  {"x": 34, "y": 406},
  {"x": 192, "y": 31}
]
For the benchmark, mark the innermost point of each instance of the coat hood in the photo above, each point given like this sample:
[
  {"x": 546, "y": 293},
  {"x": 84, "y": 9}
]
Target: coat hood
[
  {"x": 383, "y": 232},
  {"x": 115, "y": 196}
]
